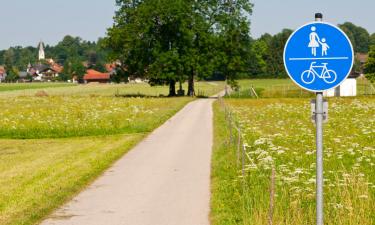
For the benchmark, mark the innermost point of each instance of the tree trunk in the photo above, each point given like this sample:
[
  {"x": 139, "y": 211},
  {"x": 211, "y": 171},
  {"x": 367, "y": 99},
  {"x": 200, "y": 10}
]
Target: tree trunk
[
  {"x": 172, "y": 88},
  {"x": 191, "y": 90}
]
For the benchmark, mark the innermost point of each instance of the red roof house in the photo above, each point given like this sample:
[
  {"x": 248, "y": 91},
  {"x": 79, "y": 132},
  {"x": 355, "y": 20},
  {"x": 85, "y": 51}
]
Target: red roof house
[{"x": 96, "y": 76}]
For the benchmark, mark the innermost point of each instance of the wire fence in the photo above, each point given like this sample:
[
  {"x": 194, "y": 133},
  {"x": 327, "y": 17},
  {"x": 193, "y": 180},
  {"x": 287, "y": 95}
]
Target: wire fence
[
  {"x": 244, "y": 160},
  {"x": 364, "y": 88},
  {"x": 235, "y": 137}
]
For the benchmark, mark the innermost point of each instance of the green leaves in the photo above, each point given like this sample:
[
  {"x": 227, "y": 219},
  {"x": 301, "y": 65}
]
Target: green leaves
[
  {"x": 357, "y": 35},
  {"x": 167, "y": 40},
  {"x": 370, "y": 65}
]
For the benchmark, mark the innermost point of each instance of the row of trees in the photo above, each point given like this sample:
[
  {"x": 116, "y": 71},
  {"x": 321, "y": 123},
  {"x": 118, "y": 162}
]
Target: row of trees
[{"x": 269, "y": 49}]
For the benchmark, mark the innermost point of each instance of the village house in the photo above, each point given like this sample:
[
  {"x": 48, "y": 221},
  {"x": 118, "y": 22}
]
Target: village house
[
  {"x": 44, "y": 71},
  {"x": 96, "y": 76}
]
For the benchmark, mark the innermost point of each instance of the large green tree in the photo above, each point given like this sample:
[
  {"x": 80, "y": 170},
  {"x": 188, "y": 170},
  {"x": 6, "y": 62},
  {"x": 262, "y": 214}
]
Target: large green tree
[{"x": 170, "y": 40}]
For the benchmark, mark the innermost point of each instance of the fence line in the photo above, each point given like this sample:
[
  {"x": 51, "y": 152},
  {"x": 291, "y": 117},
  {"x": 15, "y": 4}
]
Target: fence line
[
  {"x": 235, "y": 136},
  {"x": 245, "y": 157}
]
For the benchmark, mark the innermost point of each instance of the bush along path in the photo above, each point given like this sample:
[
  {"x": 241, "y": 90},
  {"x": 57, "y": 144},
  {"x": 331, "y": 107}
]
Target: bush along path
[{"x": 164, "y": 180}]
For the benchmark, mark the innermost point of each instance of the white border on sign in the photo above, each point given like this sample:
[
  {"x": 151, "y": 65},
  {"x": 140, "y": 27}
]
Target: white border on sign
[{"x": 329, "y": 24}]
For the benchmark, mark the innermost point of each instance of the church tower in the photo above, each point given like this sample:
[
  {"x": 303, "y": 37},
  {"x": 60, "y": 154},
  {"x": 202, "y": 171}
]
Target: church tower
[{"x": 41, "y": 51}]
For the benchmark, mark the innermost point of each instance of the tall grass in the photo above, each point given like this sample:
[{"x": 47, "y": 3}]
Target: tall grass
[
  {"x": 56, "y": 116},
  {"x": 278, "y": 133}
]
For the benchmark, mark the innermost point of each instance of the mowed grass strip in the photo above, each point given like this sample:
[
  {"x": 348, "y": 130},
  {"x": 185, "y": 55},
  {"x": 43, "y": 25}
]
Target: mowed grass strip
[
  {"x": 64, "y": 116},
  {"x": 279, "y": 133},
  {"x": 37, "y": 176},
  {"x": 65, "y": 89},
  {"x": 27, "y": 86},
  {"x": 226, "y": 191}
]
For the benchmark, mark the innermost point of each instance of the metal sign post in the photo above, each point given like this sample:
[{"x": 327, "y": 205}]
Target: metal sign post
[
  {"x": 318, "y": 56},
  {"x": 319, "y": 149}
]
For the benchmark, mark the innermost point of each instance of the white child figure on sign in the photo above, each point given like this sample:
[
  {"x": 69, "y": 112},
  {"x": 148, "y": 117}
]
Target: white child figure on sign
[{"x": 325, "y": 47}]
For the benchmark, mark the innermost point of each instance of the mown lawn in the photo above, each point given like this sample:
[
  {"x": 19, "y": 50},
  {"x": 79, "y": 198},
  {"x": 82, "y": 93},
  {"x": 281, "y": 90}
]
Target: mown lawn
[
  {"x": 278, "y": 133},
  {"x": 202, "y": 87},
  {"x": 37, "y": 176},
  {"x": 27, "y": 86}
]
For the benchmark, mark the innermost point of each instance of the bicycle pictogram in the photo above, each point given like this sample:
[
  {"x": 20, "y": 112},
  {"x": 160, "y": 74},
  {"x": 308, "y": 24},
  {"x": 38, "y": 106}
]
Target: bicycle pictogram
[{"x": 308, "y": 76}]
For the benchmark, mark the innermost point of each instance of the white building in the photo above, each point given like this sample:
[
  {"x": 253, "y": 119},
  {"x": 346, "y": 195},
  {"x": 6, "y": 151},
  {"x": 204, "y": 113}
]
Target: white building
[
  {"x": 347, "y": 88},
  {"x": 41, "y": 55}
]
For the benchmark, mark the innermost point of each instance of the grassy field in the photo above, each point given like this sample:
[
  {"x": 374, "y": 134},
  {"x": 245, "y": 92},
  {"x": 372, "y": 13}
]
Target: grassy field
[
  {"x": 278, "y": 133},
  {"x": 26, "y": 86},
  {"x": 57, "y": 140},
  {"x": 204, "y": 88}
]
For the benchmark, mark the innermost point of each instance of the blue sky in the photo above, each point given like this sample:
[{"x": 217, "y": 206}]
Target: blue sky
[
  {"x": 273, "y": 15},
  {"x": 26, "y": 22}
]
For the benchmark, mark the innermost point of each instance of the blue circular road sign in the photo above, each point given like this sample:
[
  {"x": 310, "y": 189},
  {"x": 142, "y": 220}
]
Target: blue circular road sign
[{"x": 318, "y": 56}]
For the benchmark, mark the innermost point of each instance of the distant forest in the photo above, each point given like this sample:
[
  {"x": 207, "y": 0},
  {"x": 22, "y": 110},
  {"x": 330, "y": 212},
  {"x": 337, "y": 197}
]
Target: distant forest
[
  {"x": 69, "y": 50},
  {"x": 266, "y": 51}
]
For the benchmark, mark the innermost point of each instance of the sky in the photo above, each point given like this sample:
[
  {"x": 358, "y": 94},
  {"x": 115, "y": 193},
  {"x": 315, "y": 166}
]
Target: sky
[
  {"x": 26, "y": 22},
  {"x": 272, "y": 16}
]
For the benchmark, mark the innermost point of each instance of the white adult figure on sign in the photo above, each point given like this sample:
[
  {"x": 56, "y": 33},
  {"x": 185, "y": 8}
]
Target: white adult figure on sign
[
  {"x": 325, "y": 47},
  {"x": 314, "y": 41}
]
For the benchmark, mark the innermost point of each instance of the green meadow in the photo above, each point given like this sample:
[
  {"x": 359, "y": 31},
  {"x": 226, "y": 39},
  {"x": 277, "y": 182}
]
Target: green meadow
[{"x": 278, "y": 134}]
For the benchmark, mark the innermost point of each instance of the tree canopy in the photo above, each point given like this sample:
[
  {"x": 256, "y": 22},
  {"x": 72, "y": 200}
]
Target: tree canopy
[
  {"x": 370, "y": 65},
  {"x": 168, "y": 41},
  {"x": 359, "y": 36}
]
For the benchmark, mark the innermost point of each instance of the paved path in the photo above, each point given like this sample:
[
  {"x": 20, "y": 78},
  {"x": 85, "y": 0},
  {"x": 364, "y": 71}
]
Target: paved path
[{"x": 164, "y": 180}]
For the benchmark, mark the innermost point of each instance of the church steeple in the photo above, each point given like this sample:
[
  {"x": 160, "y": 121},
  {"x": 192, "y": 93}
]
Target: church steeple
[{"x": 41, "y": 51}]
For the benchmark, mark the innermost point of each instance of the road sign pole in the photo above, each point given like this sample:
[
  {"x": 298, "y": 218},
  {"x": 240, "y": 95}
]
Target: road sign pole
[
  {"x": 318, "y": 56},
  {"x": 319, "y": 149}
]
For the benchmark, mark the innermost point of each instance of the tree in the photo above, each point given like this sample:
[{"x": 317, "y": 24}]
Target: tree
[
  {"x": 73, "y": 67},
  {"x": 370, "y": 65},
  {"x": 357, "y": 35},
  {"x": 258, "y": 61},
  {"x": 168, "y": 41},
  {"x": 275, "y": 58},
  {"x": 372, "y": 39},
  {"x": 12, "y": 72},
  {"x": 120, "y": 74},
  {"x": 233, "y": 37}
]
